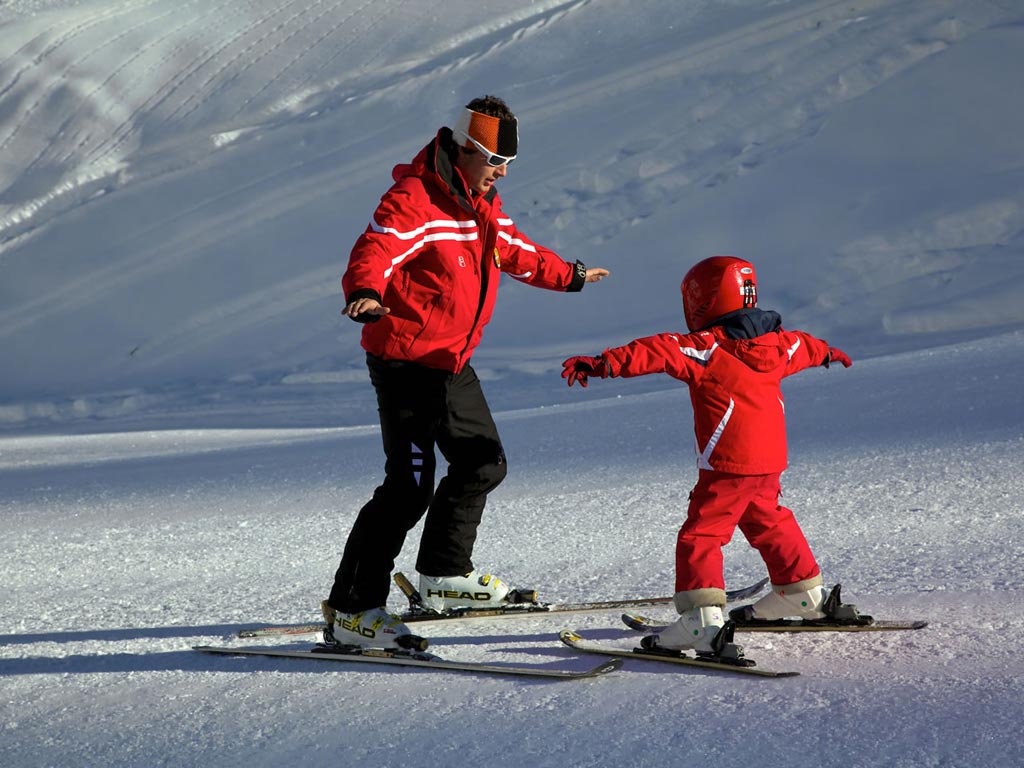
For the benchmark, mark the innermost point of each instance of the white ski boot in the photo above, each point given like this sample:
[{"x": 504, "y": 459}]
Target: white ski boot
[
  {"x": 785, "y": 603},
  {"x": 372, "y": 628},
  {"x": 698, "y": 629},
  {"x": 444, "y": 593},
  {"x": 813, "y": 605}
]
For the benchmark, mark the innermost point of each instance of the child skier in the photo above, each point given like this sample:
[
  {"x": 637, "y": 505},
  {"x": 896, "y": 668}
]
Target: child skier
[{"x": 733, "y": 361}]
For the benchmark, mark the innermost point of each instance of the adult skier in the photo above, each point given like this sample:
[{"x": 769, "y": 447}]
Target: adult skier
[{"x": 424, "y": 277}]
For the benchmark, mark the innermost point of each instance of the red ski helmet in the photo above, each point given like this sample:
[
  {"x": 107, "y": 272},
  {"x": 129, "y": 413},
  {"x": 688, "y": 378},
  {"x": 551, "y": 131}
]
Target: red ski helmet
[{"x": 716, "y": 287}]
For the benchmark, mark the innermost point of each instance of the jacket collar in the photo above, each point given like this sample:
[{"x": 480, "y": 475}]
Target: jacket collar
[
  {"x": 749, "y": 323},
  {"x": 437, "y": 161}
]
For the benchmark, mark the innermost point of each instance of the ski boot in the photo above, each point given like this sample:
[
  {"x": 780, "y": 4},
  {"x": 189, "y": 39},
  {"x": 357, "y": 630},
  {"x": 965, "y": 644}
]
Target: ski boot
[
  {"x": 373, "y": 628},
  {"x": 702, "y": 630},
  {"x": 815, "y": 606},
  {"x": 443, "y": 594}
]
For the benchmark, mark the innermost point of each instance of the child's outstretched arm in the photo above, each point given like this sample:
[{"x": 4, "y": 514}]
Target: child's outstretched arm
[
  {"x": 680, "y": 356},
  {"x": 581, "y": 368},
  {"x": 836, "y": 355},
  {"x": 807, "y": 351}
]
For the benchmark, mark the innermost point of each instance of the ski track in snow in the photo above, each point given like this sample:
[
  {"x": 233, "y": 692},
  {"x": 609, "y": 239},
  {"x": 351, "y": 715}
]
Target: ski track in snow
[
  {"x": 280, "y": 37},
  {"x": 758, "y": 112}
]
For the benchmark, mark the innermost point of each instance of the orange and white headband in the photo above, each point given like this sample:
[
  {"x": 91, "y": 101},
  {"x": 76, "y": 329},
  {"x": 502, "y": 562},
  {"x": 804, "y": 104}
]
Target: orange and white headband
[{"x": 496, "y": 138}]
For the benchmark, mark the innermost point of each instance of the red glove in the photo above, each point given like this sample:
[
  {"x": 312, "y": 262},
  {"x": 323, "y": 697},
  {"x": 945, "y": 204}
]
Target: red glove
[
  {"x": 838, "y": 356},
  {"x": 581, "y": 368}
]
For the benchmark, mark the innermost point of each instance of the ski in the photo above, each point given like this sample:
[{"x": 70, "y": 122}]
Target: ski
[
  {"x": 839, "y": 617},
  {"x": 412, "y": 659},
  {"x": 415, "y": 613},
  {"x": 646, "y": 624},
  {"x": 576, "y": 641}
]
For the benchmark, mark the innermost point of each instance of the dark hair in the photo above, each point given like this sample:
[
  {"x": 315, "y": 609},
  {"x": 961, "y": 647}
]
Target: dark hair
[{"x": 493, "y": 106}]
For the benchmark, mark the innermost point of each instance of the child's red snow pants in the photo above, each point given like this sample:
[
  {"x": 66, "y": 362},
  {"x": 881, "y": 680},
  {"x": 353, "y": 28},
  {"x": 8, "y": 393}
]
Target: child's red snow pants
[{"x": 718, "y": 504}]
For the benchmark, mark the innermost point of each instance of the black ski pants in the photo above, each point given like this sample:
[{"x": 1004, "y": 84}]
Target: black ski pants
[{"x": 421, "y": 408}]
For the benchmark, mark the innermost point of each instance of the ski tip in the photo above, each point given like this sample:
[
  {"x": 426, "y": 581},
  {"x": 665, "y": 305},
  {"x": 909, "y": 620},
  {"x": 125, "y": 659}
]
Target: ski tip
[
  {"x": 745, "y": 593},
  {"x": 570, "y": 636},
  {"x": 913, "y": 624},
  {"x": 639, "y": 623},
  {"x": 609, "y": 666}
]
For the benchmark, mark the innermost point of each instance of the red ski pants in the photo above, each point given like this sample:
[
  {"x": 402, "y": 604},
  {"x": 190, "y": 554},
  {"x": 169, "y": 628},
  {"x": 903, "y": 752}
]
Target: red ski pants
[{"x": 718, "y": 504}]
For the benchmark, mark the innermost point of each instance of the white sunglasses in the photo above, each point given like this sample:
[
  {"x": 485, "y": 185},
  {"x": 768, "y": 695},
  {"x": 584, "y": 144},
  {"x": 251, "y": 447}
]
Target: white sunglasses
[{"x": 494, "y": 160}]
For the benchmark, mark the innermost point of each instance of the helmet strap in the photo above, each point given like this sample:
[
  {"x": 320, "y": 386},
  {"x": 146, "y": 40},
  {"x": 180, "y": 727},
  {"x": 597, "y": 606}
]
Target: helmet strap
[{"x": 749, "y": 292}]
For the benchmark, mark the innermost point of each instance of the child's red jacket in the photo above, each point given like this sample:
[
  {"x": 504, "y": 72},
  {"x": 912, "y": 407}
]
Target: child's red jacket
[{"x": 739, "y": 413}]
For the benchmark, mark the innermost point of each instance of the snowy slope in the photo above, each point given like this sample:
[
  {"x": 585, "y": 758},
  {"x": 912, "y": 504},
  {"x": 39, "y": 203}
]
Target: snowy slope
[
  {"x": 181, "y": 182},
  {"x": 187, "y": 431}
]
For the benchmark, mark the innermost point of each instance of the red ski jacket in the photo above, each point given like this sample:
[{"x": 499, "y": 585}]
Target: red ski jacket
[
  {"x": 433, "y": 254},
  {"x": 738, "y": 409}
]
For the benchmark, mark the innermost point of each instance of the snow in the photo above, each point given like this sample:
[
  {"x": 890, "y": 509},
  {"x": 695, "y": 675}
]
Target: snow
[{"x": 186, "y": 429}]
